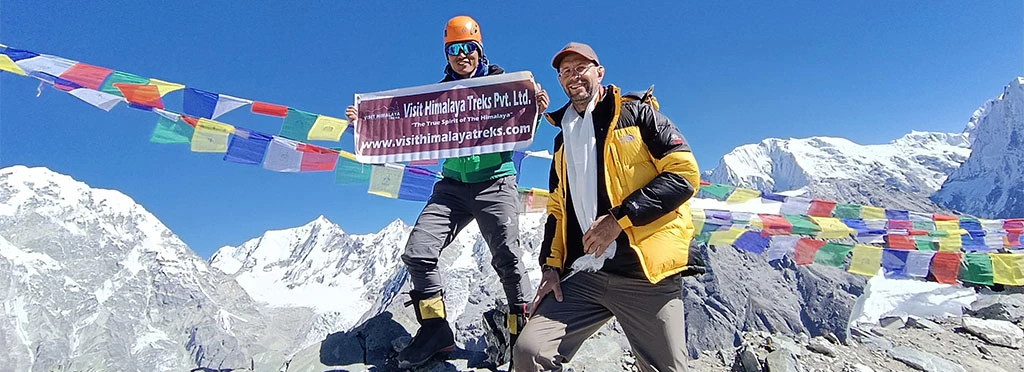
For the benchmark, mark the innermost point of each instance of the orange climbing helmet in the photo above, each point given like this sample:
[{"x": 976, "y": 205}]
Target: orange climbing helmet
[{"x": 462, "y": 28}]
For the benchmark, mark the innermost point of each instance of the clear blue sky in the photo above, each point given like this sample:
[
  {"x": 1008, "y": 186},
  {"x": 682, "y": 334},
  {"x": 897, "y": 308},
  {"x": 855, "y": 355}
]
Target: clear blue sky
[{"x": 728, "y": 73}]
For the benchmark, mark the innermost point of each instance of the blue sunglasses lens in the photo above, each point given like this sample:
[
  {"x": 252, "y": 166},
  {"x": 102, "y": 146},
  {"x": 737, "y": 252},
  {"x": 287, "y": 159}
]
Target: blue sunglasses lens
[{"x": 455, "y": 49}]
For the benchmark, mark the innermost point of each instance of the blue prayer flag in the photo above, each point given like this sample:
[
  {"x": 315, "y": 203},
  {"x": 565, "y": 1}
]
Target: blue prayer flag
[
  {"x": 894, "y": 262},
  {"x": 247, "y": 147},
  {"x": 752, "y": 241},
  {"x": 199, "y": 103}
]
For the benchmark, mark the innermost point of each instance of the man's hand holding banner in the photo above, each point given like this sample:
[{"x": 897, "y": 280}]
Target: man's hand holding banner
[{"x": 458, "y": 118}]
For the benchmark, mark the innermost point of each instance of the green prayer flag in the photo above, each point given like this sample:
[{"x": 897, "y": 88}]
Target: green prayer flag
[
  {"x": 121, "y": 77},
  {"x": 349, "y": 171},
  {"x": 978, "y": 269},
  {"x": 802, "y": 225},
  {"x": 169, "y": 131},
  {"x": 833, "y": 254},
  {"x": 846, "y": 210},
  {"x": 720, "y": 192},
  {"x": 925, "y": 243},
  {"x": 297, "y": 124},
  {"x": 924, "y": 225},
  {"x": 703, "y": 237}
]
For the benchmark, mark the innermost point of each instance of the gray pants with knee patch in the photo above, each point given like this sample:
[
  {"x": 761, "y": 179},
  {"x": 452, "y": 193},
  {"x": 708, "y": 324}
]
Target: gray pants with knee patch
[{"x": 454, "y": 204}]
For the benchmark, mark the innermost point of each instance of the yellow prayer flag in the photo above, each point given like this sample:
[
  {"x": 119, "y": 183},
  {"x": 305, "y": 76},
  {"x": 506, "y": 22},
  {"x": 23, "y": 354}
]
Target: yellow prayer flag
[
  {"x": 7, "y": 64},
  {"x": 867, "y": 211},
  {"x": 326, "y": 128},
  {"x": 742, "y": 195},
  {"x": 1008, "y": 268},
  {"x": 385, "y": 180},
  {"x": 211, "y": 136},
  {"x": 947, "y": 225},
  {"x": 539, "y": 192},
  {"x": 866, "y": 260},
  {"x": 698, "y": 220},
  {"x": 726, "y": 237},
  {"x": 347, "y": 155},
  {"x": 832, "y": 228},
  {"x": 950, "y": 243},
  {"x": 165, "y": 86}
]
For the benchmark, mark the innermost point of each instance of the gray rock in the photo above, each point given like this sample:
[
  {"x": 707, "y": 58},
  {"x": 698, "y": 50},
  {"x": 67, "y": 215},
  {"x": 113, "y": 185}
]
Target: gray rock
[
  {"x": 984, "y": 350},
  {"x": 727, "y": 358},
  {"x": 996, "y": 332},
  {"x": 882, "y": 332},
  {"x": 922, "y": 323},
  {"x": 871, "y": 340},
  {"x": 856, "y": 367},
  {"x": 999, "y": 307},
  {"x": 831, "y": 338},
  {"x": 892, "y": 322},
  {"x": 780, "y": 342},
  {"x": 821, "y": 346},
  {"x": 924, "y": 361},
  {"x": 782, "y": 361},
  {"x": 747, "y": 361}
]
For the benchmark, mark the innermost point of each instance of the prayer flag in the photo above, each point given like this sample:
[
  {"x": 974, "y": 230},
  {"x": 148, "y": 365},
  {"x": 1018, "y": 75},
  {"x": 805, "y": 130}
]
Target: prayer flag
[
  {"x": 418, "y": 184},
  {"x": 143, "y": 95},
  {"x": 45, "y": 63},
  {"x": 104, "y": 101},
  {"x": 226, "y": 104},
  {"x": 951, "y": 243},
  {"x": 165, "y": 86},
  {"x": 905, "y": 242},
  {"x": 905, "y": 225},
  {"x": 317, "y": 159},
  {"x": 717, "y": 191},
  {"x": 974, "y": 241},
  {"x": 726, "y": 237},
  {"x": 846, "y": 210},
  {"x": 925, "y": 243},
  {"x": 1008, "y": 268},
  {"x": 326, "y": 128},
  {"x": 211, "y": 136},
  {"x": 947, "y": 225},
  {"x": 802, "y": 225},
  {"x": 897, "y": 214},
  {"x": 795, "y": 205},
  {"x": 918, "y": 263},
  {"x": 832, "y": 254},
  {"x": 832, "y": 228},
  {"x": 7, "y": 64},
  {"x": 18, "y": 54},
  {"x": 866, "y": 260},
  {"x": 742, "y": 195},
  {"x": 978, "y": 269},
  {"x": 199, "y": 103},
  {"x": 283, "y": 155},
  {"x": 297, "y": 124},
  {"x": 806, "y": 249},
  {"x": 894, "y": 263},
  {"x": 781, "y": 245},
  {"x": 821, "y": 208},
  {"x": 869, "y": 212},
  {"x": 247, "y": 147},
  {"x": 121, "y": 77},
  {"x": 170, "y": 131},
  {"x": 269, "y": 109},
  {"x": 945, "y": 266},
  {"x": 350, "y": 171},
  {"x": 386, "y": 180},
  {"x": 87, "y": 75},
  {"x": 752, "y": 242}
]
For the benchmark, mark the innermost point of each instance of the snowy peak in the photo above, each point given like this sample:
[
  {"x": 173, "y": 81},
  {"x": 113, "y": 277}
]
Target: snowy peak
[
  {"x": 917, "y": 162},
  {"x": 991, "y": 183}
]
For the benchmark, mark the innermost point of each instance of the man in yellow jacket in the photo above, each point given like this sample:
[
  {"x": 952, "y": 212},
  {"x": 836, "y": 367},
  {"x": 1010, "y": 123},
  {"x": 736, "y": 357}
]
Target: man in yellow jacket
[{"x": 619, "y": 226}]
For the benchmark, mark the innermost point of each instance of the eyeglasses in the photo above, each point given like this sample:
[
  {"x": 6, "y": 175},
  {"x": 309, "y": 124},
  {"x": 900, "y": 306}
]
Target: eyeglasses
[
  {"x": 467, "y": 47},
  {"x": 578, "y": 70}
]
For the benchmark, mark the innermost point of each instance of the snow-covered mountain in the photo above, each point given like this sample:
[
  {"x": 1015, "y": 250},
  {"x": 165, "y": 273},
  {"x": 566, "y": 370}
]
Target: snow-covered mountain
[
  {"x": 900, "y": 174},
  {"x": 95, "y": 282},
  {"x": 990, "y": 183}
]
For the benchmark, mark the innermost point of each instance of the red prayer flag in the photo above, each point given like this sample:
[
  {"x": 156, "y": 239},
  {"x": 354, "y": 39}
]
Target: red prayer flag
[
  {"x": 87, "y": 75},
  {"x": 918, "y": 232},
  {"x": 806, "y": 249},
  {"x": 190, "y": 120},
  {"x": 141, "y": 94},
  {"x": 775, "y": 225},
  {"x": 269, "y": 109},
  {"x": 705, "y": 183},
  {"x": 821, "y": 208},
  {"x": 1014, "y": 226},
  {"x": 905, "y": 242},
  {"x": 944, "y": 217},
  {"x": 317, "y": 159},
  {"x": 946, "y": 267}
]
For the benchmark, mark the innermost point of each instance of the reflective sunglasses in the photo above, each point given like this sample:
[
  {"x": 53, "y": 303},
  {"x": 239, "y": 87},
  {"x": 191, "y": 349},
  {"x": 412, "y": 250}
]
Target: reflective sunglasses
[{"x": 467, "y": 47}]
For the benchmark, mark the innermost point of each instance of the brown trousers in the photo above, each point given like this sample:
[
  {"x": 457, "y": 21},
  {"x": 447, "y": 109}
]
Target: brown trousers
[{"x": 651, "y": 316}]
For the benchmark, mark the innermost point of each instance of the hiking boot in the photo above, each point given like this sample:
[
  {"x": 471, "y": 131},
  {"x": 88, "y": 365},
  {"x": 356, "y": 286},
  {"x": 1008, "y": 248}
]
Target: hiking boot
[{"x": 434, "y": 337}]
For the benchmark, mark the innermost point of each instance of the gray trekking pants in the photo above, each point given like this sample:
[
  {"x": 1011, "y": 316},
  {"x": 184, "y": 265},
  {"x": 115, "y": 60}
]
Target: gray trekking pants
[
  {"x": 651, "y": 315},
  {"x": 495, "y": 206}
]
